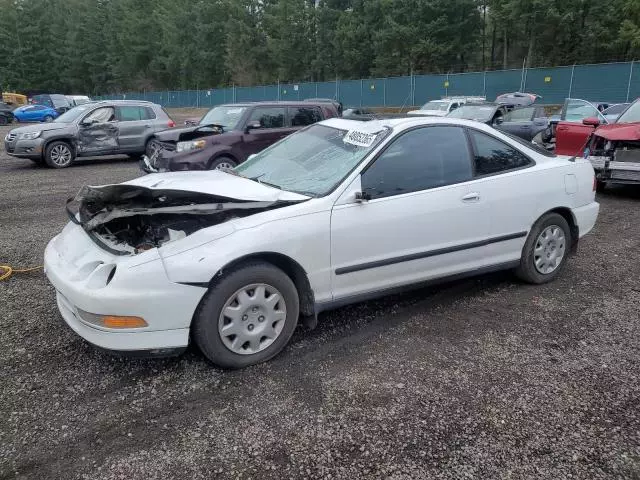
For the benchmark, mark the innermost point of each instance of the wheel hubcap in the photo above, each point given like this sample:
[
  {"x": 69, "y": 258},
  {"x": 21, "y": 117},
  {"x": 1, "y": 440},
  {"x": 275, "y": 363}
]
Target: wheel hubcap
[
  {"x": 549, "y": 250},
  {"x": 60, "y": 155},
  {"x": 225, "y": 165},
  {"x": 252, "y": 319}
]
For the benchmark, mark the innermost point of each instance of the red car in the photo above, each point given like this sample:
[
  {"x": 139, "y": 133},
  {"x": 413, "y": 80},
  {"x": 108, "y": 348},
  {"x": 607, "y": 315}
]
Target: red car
[{"x": 614, "y": 149}]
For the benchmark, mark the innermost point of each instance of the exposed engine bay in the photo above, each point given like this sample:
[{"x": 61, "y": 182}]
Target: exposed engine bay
[
  {"x": 615, "y": 160},
  {"x": 130, "y": 219}
]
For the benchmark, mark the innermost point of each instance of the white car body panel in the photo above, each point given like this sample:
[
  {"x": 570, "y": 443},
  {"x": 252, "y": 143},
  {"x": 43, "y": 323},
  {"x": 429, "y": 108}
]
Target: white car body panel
[{"x": 323, "y": 235}]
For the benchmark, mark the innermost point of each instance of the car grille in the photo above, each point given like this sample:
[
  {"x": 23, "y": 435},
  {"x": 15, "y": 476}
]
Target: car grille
[{"x": 10, "y": 137}]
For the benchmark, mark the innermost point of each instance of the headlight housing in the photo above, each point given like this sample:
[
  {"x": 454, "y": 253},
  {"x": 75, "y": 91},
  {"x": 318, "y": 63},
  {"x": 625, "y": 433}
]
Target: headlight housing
[
  {"x": 193, "y": 145},
  {"x": 28, "y": 135}
]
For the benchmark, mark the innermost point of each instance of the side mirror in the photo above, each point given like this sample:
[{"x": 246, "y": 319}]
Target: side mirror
[
  {"x": 254, "y": 125},
  {"x": 591, "y": 121}
]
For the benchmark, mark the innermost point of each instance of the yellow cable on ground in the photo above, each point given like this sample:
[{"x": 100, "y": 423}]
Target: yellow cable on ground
[{"x": 6, "y": 271}]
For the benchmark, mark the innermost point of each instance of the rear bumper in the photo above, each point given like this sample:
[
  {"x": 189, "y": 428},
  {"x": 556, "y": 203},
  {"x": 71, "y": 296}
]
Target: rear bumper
[{"x": 586, "y": 217}]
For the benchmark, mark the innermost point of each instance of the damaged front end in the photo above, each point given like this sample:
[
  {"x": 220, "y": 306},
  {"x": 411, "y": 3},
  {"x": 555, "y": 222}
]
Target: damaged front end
[
  {"x": 171, "y": 145},
  {"x": 130, "y": 219},
  {"x": 615, "y": 154}
]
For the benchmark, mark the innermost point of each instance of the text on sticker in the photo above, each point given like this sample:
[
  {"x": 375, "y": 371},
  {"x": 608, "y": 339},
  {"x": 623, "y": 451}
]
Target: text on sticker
[{"x": 360, "y": 139}]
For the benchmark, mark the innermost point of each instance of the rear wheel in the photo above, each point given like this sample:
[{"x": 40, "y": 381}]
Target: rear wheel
[
  {"x": 222, "y": 162},
  {"x": 59, "y": 155},
  {"x": 546, "y": 250},
  {"x": 151, "y": 147},
  {"x": 247, "y": 317},
  {"x": 600, "y": 186},
  {"x": 48, "y": 119}
]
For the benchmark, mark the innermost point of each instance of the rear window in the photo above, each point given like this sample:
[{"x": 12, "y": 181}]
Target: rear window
[
  {"x": 132, "y": 113},
  {"x": 303, "y": 116}
]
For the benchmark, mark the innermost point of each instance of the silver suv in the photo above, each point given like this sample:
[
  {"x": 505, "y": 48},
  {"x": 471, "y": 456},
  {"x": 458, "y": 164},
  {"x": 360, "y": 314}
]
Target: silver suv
[{"x": 90, "y": 130}]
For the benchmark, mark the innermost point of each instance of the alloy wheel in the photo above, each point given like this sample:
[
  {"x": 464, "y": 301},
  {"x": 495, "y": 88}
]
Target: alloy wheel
[{"x": 549, "y": 250}]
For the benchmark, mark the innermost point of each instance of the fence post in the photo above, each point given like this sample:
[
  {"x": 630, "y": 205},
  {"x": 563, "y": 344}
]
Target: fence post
[
  {"x": 361, "y": 91},
  {"x": 484, "y": 84},
  {"x": 278, "y": 97},
  {"x": 384, "y": 92},
  {"x": 316, "y": 89},
  {"x": 446, "y": 89},
  {"x": 629, "y": 84},
  {"x": 573, "y": 67},
  {"x": 412, "y": 92}
]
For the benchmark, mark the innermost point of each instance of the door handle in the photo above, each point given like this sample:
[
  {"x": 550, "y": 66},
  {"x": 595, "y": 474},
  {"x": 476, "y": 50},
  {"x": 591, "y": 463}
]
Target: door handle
[
  {"x": 471, "y": 197},
  {"x": 147, "y": 126},
  {"x": 562, "y": 128}
]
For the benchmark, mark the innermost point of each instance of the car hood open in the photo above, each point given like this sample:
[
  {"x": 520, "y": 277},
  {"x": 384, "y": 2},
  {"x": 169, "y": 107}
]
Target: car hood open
[{"x": 619, "y": 131}]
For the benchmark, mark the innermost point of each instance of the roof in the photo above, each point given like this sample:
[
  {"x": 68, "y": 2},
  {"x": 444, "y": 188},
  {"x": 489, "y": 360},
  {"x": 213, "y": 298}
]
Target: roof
[
  {"x": 125, "y": 102},
  {"x": 401, "y": 123}
]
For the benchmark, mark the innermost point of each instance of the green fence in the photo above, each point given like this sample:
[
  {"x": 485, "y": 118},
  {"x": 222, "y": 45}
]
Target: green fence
[{"x": 611, "y": 82}]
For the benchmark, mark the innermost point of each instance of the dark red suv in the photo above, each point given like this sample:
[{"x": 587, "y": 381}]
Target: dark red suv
[{"x": 228, "y": 134}]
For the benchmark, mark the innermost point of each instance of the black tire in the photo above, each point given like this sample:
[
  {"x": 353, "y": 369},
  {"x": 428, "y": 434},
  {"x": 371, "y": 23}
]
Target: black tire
[
  {"x": 150, "y": 148},
  {"x": 220, "y": 162},
  {"x": 600, "y": 186},
  {"x": 52, "y": 148},
  {"x": 48, "y": 119},
  {"x": 3, "y": 120},
  {"x": 205, "y": 326},
  {"x": 527, "y": 270}
]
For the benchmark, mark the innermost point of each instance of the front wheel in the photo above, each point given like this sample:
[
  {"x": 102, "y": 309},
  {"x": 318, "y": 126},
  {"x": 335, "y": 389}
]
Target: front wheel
[
  {"x": 222, "y": 163},
  {"x": 247, "y": 317},
  {"x": 59, "y": 155},
  {"x": 546, "y": 249}
]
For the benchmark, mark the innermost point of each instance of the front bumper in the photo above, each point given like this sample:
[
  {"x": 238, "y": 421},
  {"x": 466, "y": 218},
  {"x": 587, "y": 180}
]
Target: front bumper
[
  {"x": 24, "y": 148},
  {"x": 75, "y": 266},
  {"x": 612, "y": 171}
]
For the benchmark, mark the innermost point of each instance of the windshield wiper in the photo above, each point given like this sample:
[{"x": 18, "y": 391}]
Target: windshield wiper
[{"x": 261, "y": 182}]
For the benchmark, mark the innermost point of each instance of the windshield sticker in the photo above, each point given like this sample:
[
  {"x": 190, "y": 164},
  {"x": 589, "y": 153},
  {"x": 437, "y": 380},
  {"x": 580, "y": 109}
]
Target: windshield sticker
[{"x": 360, "y": 139}]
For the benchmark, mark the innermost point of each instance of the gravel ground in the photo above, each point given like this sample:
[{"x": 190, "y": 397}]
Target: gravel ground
[{"x": 483, "y": 378}]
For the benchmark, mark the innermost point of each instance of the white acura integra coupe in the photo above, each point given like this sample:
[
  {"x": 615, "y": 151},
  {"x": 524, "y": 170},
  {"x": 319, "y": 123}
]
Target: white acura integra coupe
[{"x": 336, "y": 213}]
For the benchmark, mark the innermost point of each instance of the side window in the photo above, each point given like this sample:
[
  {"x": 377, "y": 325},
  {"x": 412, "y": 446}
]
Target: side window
[
  {"x": 302, "y": 116},
  {"x": 269, "y": 117},
  {"x": 453, "y": 106},
  {"x": 38, "y": 107},
  {"x": 101, "y": 115},
  {"x": 418, "y": 160},
  {"x": 147, "y": 113},
  {"x": 130, "y": 113},
  {"x": 519, "y": 115},
  {"x": 578, "y": 110},
  {"x": 494, "y": 156}
]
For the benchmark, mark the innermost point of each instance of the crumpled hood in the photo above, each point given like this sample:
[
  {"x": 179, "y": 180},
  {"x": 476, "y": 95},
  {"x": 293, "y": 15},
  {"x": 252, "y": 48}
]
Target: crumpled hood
[
  {"x": 215, "y": 182},
  {"x": 40, "y": 127},
  {"x": 619, "y": 131}
]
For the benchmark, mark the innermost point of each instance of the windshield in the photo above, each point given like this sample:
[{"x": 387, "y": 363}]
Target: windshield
[
  {"x": 71, "y": 115},
  {"x": 227, "y": 116},
  {"x": 436, "y": 105},
  {"x": 473, "y": 112},
  {"x": 632, "y": 114},
  {"x": 313, "y": 161}
]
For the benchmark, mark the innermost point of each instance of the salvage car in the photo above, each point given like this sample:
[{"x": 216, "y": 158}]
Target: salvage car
[
  {"x": 517, "y": 99},
  {"x": 574, "y": 111},
  {"x": 90, "y": 130},
  {"x": 35, "y": 113},
  {"x": 440, "y": 108},
  {"x": 525, "y": 122},
  {"x": 359, "y": 113},
  {"x": 6, "y": 114},
  {"x": 337, "y": 213},
  {"x": 489, "y": 113},
  {"x": 613, "y": 112},
  {"x": 613, "y": 149},
  {"x": 228, "y": 134}
]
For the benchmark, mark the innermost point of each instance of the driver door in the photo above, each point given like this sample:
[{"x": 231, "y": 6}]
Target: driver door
[
  {"x": 272, "y": 127},
  {"x": 98, "y": 132}
]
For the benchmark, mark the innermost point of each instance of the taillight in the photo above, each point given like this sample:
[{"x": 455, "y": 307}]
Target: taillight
[{"x": 171, "y": 124}]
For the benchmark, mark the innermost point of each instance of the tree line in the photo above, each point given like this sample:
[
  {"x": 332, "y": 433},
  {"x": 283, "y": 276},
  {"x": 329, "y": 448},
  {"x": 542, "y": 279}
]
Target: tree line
[{"x": 103, "y": 46}]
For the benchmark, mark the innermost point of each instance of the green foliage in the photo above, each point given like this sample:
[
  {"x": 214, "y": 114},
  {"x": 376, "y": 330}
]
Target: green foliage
[{"x": 100, "y": 46}]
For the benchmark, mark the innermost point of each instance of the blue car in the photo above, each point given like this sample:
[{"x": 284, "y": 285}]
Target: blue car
[{"x": 35, "y": 113}]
